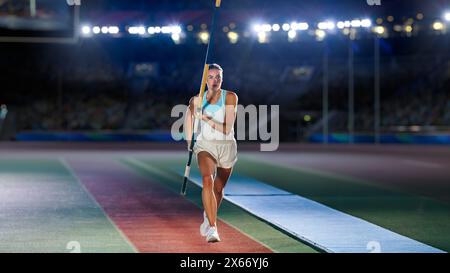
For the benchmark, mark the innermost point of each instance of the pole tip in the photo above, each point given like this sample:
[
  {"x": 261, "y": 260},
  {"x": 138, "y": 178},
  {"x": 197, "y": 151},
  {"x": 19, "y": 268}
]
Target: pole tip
[{"x": 218, "y": 3}]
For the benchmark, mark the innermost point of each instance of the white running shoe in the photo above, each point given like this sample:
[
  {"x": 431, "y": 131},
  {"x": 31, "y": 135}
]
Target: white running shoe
[
  {"x": 204, "y": 226},
  {"x": 212, "y": 236}
]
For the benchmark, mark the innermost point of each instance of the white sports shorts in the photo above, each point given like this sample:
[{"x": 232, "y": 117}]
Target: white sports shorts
[{"x": 223, "y": 151}]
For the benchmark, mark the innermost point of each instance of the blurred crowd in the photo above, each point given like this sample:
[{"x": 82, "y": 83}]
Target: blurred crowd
[
  {"x": 151, "y": 110},
  {"x": 96, "y": 87},
  {"x": 95, "y": 113},
  {"x": 410, "y": 95}
]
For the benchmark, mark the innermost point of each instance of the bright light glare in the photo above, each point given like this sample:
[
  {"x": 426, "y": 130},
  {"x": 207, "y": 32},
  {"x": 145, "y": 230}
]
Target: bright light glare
[
  {"x": 299, "y": 26},
  {"x": 438, "y": 25},
  {"x": 276, "y": 27},
  {"x": 262, "y": 37},
  {"x": 176, "y": 38},
  {"x": 356, "y": 23},
  {"x": 113, "y": 29},
  {"x": 286, "y": 27},
  {"x": 96, "y": 29},
  {"x": 326, "y": 25},
  {"x": 86, "y": 30},
  {"x": 176, "y": 29},
  {"x": 366, "y": 23},
  {"x": 204, "y": 37},
  {"x": 266, "y": 28},
  {"x": 379, "y": 30},
  {"x": 447, "y": 16},
  {"x": 233, "y": 36},
  {"x": 292, "y": 34},
  {"x": 141, "y": 30}
]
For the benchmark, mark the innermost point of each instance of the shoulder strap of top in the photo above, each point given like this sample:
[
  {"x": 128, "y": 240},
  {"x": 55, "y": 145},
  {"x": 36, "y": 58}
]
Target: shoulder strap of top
[{"x": 224, "y": 97}]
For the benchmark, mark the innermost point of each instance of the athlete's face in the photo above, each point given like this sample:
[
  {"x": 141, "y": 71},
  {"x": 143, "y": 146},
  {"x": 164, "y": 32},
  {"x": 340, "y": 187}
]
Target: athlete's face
[{"x": 214, "y": 80}]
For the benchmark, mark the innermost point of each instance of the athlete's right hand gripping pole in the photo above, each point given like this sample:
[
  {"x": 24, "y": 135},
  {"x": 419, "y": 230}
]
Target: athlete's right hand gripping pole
[{"x": 198, "y": 108}]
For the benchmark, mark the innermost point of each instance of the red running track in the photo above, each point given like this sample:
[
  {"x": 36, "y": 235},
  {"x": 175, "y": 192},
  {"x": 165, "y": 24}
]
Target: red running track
[{"x": 153, "y": 218}]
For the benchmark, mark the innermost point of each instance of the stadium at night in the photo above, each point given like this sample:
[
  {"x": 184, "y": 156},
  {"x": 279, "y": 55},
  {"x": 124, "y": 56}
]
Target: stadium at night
[{"x": 268, "y": 126}]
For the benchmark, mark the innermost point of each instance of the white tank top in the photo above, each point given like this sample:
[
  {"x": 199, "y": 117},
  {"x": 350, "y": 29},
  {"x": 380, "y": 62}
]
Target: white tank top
[{"x": 217, "y": 112}]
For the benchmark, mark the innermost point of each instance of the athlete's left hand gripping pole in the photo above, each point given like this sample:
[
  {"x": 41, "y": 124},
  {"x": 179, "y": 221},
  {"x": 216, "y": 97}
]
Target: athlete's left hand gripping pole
[{"x": 198, "y": 108}]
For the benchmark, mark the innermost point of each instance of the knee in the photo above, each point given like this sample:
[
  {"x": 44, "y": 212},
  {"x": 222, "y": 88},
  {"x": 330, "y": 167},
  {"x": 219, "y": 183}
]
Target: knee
[
  {"x": 218, "y": 191},
  {"x": 208, "y": 182}
]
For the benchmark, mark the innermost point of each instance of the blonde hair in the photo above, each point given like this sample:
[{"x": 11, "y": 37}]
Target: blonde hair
[{"x": 215, "y": 66}]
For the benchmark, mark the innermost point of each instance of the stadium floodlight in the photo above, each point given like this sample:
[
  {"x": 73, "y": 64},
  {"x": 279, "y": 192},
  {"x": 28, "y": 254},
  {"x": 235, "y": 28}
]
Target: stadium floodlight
[
  {"x": 262, "y": 37},
  {"x": 137, "y": 30},
  {"x": 96, "y": 30},
  {"x": 320, "y": 35},
  {"x": 113, "y": 29},
  {"x": 86, "y": 30},
  {"x": 322, "y": 25},
  {"x": 204, "y": 37},
  {"x": 175, "y": 29},
  {"x": 347, "y": 24},
  {"x": 276, "y": 27},
  {"x": 299, "y": 26},
  {"x": 366, "y": 23},
  {"x": 438, "y": 25},
  {"x": 302, "y": 26},
  {"x": 141, "y": 30},
  {"x": 176, "y": 38},
  {"x": 157, "y": 29},
  {"x": 233, "y": 37},
  {"x": 379, "y": 30},
  {"x": 286, "y": 27},
  {"x": 356, "y": 23},
  {"x": 166, "y": 29},
  {"x": 132, "y": 30},
  {"x": 408, "y": 28},
  {"x": 292, "y": 34},
  {"x": 328, "y": 25},
  {"x": 266, "y": 28},
  {"x": 257, "y": 28},
  {"x": 151, "y": 30},
  {"x": 293, "y": 26},
  {"x": 105, "y": 30},
  {"x": 447, "y": 16},
  {"x": 340, "y": 25}
]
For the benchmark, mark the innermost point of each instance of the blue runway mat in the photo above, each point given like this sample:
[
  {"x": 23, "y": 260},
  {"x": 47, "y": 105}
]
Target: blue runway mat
[{"x": 310, "y": 221}]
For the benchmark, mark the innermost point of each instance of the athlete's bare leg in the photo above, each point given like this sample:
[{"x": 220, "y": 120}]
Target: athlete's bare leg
[
  {"x": 220, "y": 181},
  {"x": 207, "y": 166}
]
